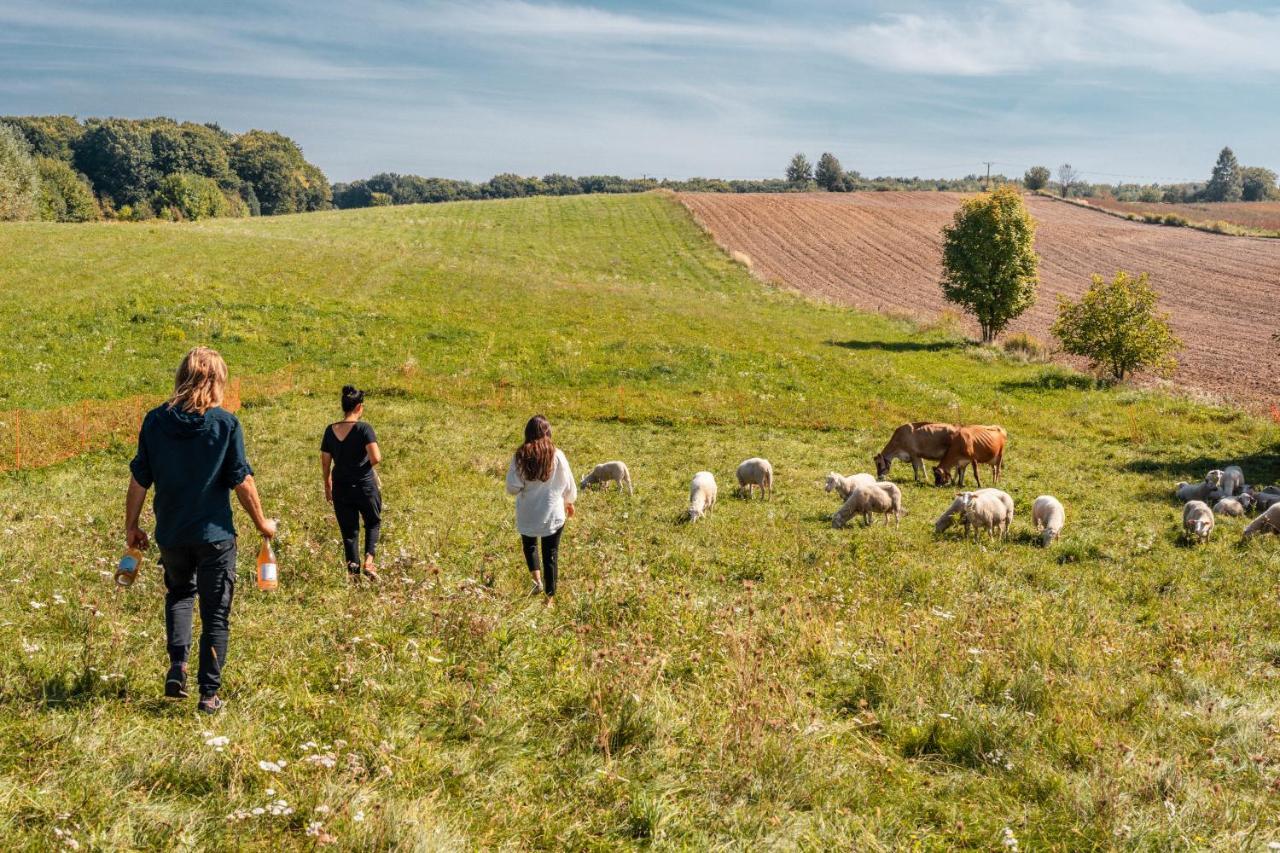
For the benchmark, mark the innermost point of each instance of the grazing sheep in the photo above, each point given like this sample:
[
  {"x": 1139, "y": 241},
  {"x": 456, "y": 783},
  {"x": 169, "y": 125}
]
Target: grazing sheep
[
  {"x": 991, "y": 509},
  {"x": 755, "y": 473},
  {"x": 1185, "y": 491},
  {"x": 1233, "y": 507},
  {"x": 1228, "y": 482},
  {"x": 844, "y": 485},
  {"x": 1197, "y": 521},
  {"x": 1268, "y": 522},
  {"x": 1266, "y": 500},
  {"x": 702, "y": 495},
  {"x": 608, "y": 472},
  {"x": 1048, "y": 516},
  {"x": 865, "y": 500},
  {"x": 949, "y": 515}
]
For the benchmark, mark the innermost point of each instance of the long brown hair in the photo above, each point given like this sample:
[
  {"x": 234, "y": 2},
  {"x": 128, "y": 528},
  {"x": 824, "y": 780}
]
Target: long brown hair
[
  {"x": 537, "y": 456},
  {"x": 200, "y": 382}
]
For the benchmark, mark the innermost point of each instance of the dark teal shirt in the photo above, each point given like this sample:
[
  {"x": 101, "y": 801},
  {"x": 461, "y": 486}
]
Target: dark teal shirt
[{"x": 194, "y": 461}]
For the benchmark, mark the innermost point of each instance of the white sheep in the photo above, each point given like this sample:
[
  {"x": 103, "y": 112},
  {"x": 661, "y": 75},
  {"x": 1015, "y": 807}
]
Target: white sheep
[
  {"x": 1185, "y": 491},
  {"x": 608, "y": 472},
  {"x": 865, "y": 500},
  {"x": 702, "y": 495},
  {"x": 949, "y": 515},
  {"x": 1227, "y": 482},
  {"x": 755, "y": 473},
  {"x": 1268, "y": 522},
  {"x": 844, "y": 485},
  {"x": 1048, "y": 516},
  {"x": 989, "y": 509},
  {"x": 1197, "y": 521},
  {"x": 1233, "y": 507}
]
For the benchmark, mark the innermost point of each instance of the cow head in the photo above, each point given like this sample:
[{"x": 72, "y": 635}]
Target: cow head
[{"x": 940, "y": 477}]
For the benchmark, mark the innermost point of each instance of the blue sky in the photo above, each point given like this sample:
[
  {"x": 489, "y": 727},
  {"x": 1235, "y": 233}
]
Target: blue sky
[{"x": 1145, "y": 89}]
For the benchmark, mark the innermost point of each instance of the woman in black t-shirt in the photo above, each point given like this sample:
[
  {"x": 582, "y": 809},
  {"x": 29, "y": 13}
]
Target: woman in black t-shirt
[{"x": 348, "y": 453}]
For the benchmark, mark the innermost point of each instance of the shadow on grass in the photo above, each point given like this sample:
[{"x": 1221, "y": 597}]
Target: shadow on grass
[
  {"x": 1053, "y": 380},
  {"x": 1260, "y": 467},
  {"x": 69, "y": 690},
  {"x": 900, "y": 346}
]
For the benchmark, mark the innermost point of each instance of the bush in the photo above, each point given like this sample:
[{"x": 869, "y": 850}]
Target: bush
[
  {"x": 65, "y": 194},
  {"x": 19, "y": 183},
  {"x": 193, "y": 197},
  {"x": 1027, "y": 346},
  {"x": 1036, "y": 178},
  {"x": 1115, "y": 326}
]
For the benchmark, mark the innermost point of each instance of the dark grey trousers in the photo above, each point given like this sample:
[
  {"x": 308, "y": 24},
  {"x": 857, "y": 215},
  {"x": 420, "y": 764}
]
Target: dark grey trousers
[{"x": 208, "y": 572}]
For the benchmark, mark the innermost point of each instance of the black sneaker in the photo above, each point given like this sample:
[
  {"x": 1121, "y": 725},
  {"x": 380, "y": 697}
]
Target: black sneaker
[
  {"x": 175, "y": 683},
  {"x": 210, "y": 704}
]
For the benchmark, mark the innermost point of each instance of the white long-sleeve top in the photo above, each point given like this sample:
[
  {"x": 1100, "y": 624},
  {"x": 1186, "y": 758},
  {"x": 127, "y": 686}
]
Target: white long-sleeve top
[{"x": 540, "y": 504}]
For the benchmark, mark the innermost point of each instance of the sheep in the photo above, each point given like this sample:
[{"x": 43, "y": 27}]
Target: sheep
[
  {"x": 949, "y": 515},
  {"x": 1185, "y": 491},
  {"x": 986, "y": 508},
  {"x": 1048, "y": 516},
  {"x": 1197, "y": 521},
  {"x": 755, "y": 473},
  {"x": 1265, "y": 500},
  {"x": 865, "y": 500},
  {"x": 609, "y": 472},
  {"x": 702, "y": 495},
  {"x": 1227, "y": 481},
  {"x": 844, "y": 485},
  {"x": 1233, "y": 507},
  {"x": 1268, "y": 522}
]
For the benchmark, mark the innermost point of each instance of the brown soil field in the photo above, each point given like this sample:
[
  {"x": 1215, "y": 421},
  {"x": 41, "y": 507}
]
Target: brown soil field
[
  {"x": 1261, "y": 215},
  {"x": 883, "y": 252}
]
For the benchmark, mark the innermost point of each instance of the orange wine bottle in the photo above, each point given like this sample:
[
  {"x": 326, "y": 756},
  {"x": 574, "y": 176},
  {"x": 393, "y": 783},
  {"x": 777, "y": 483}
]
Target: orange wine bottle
[
  {"x": 127, "y": 568},
  {"x": 267, "y": 571}
]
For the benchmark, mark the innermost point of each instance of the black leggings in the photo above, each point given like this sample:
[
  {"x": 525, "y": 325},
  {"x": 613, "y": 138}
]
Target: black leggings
[
  {"x": 350, "y": 504},
  {"x": 550, "y": 557}
]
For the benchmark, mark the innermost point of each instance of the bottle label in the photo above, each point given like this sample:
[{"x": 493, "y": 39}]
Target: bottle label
[
  {"x": 267, "y": 571},
  {"x": 128, "y": 565}
]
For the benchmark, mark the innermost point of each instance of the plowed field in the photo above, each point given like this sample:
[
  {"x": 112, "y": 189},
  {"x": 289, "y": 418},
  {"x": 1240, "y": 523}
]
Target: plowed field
[{"x": 883, "y": 251}]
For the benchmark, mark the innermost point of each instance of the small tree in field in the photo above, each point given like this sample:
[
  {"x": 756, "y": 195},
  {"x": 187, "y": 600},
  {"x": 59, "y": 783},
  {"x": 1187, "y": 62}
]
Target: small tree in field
[
  {"x": 989, "y": 263},
  {"x": 1036, "y": 178},
  {"x": 1068, "y": 177},
  {"x": 799, "y": 170},
  {"x": 830, "y": 174},
  {"x": 1116, "y": 326}
]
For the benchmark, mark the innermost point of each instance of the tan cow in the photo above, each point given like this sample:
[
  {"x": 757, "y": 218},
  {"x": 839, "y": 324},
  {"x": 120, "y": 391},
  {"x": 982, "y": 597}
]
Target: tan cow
[
  {"x": 914, "y": 443},
  {"x": 969, "y": 446}
]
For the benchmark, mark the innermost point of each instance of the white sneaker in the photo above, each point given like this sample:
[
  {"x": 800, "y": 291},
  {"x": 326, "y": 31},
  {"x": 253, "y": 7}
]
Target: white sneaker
[{"x": 537, "y": 589}]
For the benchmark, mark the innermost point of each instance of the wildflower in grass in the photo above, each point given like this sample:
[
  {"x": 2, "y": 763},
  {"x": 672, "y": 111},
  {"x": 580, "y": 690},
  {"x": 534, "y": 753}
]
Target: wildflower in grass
[
  {"x": 358, "y": 817},
  {"x": 273, "y": 766},
  {"x": 58, "y": 599},
  {"x": 322, "y": 809},
  {"x": 1009, "y": 840},
  {"x": 36, "y": 605},
  {"x": 218, "y": 742},
  {"x": 29, "y": 648}
]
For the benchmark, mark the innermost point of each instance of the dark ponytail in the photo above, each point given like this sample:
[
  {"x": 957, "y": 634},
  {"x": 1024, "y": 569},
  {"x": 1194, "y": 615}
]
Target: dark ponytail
[{"x": 351, "y": 397}]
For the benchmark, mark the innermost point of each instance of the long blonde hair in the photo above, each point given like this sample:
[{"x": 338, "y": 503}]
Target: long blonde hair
[{"x": 200, "y": 382}]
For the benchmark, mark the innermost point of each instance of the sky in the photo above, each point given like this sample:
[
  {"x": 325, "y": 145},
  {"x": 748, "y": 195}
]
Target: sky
[{"x": 1138, "y": 90}]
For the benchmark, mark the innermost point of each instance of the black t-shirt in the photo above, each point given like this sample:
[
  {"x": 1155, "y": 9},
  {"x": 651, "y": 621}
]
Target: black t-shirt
[{"x": 351, "y": 464}]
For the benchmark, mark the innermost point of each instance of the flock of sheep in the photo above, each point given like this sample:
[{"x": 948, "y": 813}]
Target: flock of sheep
[
  {"x": 986, "y": 510},
  {"x": 1231, "y": 497}
]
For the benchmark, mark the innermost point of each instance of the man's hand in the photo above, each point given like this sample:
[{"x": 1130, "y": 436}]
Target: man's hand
[
  {"x": 136, "y": 537},
  {"x": 267, "y": 528}
]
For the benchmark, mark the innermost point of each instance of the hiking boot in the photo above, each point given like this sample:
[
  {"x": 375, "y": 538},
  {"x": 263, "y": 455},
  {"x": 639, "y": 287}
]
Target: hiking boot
[
  {"x": 353, "y": 574},
  {"x": 368, "y": 570},
  {"x": 210, "y": 704},
  {"x": 175, "y": 683},
  {"x": 537, "y": 589}
]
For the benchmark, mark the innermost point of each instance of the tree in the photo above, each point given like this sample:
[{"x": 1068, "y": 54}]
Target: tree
[
  {"x": 1036, "y": 178},
  {"x": 1257, "y": 183},
  {"x": 1226, "y": 183},
  {"x": 990, "y": 267},
  {"x": 186, "y": 196},
  {"x": 48, "y": 136},
  {"x": 1116, "y": 326},
  {"x": 281, "y": 180},
  {"x": 829, "y": 174},
  {"x": 19, "y": 183},
  {"x": 65, "y": 194},
  {"x": 191, "y": 148},
  {"x": 799, "y": 170},
  {"x": 1068, "y": 177}
]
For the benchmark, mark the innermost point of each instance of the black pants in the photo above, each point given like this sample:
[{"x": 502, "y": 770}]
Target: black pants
[
  {"x": 550, "y": 557},
  {"x": 209, "y": 572},
  {"x": 352, "y": 502}
]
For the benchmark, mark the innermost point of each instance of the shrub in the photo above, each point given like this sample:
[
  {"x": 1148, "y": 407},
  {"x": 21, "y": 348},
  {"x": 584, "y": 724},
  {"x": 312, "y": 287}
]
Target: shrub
[
  {"x": 1027, "y": 346},
  {"x": 990, "y": 267},
  {"x": 19, "y": 183},
  {"x": 1115, "y": 325},
  {"x": 193, "y": 197},
  {"x": 65, "y": 194},
  {"x": 1036, "y": 178}
]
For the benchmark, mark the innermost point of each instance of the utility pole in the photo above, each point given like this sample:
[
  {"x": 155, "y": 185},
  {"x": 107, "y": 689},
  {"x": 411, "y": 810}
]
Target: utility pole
[{"x": 988, "y": 164}]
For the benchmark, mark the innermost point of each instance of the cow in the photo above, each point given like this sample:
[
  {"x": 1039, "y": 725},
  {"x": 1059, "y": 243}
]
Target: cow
[
  {"x": 969, "y": 446},
  {"x": 913, "y": 443}
]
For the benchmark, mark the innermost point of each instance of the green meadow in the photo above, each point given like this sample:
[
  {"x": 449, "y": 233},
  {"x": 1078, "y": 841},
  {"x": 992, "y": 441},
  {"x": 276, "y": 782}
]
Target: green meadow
[{"x": 756, "y": 679}]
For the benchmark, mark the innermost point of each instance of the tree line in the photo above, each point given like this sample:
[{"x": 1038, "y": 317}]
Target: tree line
[
  {"x": 63, "y": 169},
  {"x": 1229, "y": 181}
]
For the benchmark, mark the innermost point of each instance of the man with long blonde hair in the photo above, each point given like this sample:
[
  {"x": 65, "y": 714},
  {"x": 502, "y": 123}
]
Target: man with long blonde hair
[{"x": 192, "y": 451}]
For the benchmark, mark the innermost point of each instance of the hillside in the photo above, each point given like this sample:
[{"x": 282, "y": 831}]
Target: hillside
[
  {"x": 883, "y": 252},
  {"x": 757, "y": 679}
]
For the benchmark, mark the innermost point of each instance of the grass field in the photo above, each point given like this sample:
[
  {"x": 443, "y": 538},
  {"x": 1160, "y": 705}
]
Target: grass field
[{"x": 757, "y": 679}]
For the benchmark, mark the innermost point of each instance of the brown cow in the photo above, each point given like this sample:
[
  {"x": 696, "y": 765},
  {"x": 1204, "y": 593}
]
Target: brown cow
[
  {"x": 915, "y": 442},
  {"x": 971, "y": 445}
]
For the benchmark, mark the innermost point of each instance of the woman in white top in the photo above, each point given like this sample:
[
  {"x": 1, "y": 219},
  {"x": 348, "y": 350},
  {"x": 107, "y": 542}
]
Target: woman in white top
[{"x": 545, "y": 491}]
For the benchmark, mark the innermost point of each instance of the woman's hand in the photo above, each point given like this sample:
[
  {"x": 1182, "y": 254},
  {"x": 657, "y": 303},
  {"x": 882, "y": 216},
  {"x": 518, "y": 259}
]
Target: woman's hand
[
  {"x": 328, "y": 490},
  {"x": 568, "y": 510}
]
